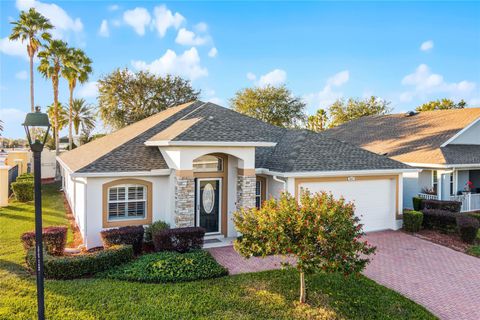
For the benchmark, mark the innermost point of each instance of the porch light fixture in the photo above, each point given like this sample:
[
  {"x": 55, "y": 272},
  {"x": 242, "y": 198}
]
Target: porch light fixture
[{"x": 37, "y": 127}]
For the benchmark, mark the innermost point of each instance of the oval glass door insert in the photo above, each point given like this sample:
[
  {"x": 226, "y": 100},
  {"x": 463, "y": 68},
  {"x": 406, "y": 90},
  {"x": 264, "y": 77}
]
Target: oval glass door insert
[{"x": 208, "y": 198}]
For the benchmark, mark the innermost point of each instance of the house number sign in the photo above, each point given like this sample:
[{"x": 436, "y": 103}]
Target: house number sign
[{"x": 208, "y": 198}]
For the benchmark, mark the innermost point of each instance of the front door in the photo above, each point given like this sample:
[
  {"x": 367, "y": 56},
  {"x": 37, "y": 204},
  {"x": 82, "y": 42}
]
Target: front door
[{"x": 208, "y": 199}]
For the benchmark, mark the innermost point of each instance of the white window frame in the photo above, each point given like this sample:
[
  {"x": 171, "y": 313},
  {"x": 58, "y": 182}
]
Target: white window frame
[{"x": 126, "y": 201}]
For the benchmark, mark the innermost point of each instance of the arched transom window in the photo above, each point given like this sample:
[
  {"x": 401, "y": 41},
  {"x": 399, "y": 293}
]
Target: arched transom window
[{"x": 208, "y": 163}]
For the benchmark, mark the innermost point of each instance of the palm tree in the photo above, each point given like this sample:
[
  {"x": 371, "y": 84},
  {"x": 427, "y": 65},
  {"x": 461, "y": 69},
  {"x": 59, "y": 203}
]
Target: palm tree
[
  {"x": 82, "y": 115},
  {"x": 318, "y": 121},
  {"x": 77, "y": 68},
  {"x": 31, "y": 27}
]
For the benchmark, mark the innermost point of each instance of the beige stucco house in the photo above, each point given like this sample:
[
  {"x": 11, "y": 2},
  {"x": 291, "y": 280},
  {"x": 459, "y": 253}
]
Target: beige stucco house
[
  {"x": 444, "y": 144},
  {"x": 197, "y": 163}
]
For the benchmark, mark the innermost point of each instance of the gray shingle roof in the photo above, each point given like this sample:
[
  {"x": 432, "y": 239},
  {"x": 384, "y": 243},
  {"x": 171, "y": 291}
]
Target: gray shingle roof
[
  {"x": 296, "y": 150},
  {"x": 461, "y": 154}
]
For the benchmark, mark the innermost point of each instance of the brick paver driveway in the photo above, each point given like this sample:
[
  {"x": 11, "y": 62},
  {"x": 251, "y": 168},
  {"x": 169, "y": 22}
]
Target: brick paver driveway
[{"x": 446, "y": 282}]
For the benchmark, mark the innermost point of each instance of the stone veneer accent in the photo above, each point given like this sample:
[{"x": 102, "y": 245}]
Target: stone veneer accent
[
  {"x": 184, "y": 202},
  {"x": 246, "y": 186}
]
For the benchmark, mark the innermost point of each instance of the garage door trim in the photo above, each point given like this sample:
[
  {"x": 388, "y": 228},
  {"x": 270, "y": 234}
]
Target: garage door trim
[{"x": 398, "y": 216}]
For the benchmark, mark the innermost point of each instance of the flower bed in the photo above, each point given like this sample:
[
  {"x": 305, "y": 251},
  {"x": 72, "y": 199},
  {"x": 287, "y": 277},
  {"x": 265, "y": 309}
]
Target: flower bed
[{"x": 169, "y": 267}]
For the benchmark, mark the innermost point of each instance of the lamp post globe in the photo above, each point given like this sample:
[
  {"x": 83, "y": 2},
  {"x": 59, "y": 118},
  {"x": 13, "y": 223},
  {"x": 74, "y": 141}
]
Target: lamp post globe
[{"x": 37, "y": 127}]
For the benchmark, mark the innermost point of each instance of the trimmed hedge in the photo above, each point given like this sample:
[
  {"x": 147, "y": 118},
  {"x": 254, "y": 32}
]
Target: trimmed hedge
[
  {"x": 475, "y": 215},
  {"x": 71, "y": 267},
  {"x": 25, "y": 177},
  {"x": 23, "y": 190},
  {"x": 155, "y": 227},
  {"x": 412, "y": 220},
  {"x": 130, "y": 235},
  {"x": 417, "y": 203},
  {"x": 179, "y": 239},
  {"x": 169, "y": 267},
  {"x": 439, "y": 220},
  {"x": 54, "y": 240},
  {"x": 467, "y": 227},
  {"x": 452, "y": 206}
]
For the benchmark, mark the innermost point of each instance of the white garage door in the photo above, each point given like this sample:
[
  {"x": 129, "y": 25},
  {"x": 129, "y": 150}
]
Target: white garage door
[{"x": 374, "y": 199}]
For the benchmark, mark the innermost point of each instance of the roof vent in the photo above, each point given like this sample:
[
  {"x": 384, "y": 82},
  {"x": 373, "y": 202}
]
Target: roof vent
[{"x": 410, "y": 113}]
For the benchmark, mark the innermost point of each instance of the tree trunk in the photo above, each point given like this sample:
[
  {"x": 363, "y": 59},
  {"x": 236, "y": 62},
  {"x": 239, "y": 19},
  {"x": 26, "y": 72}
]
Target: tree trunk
[
  {"x": 32, "y": 101},
  {"x": 70, "y": 137},
  {"x": 303, "y": 291},
  {"x": 55, "y": 123}
]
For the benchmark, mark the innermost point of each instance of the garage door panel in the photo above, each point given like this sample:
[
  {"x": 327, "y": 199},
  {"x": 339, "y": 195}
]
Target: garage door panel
[{"x": 374, "y": 199}]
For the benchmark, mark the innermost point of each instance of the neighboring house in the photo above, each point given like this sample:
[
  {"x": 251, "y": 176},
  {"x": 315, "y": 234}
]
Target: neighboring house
[
  {"x": 197, "y": 163},
  {"x": 444, "y": 143}
]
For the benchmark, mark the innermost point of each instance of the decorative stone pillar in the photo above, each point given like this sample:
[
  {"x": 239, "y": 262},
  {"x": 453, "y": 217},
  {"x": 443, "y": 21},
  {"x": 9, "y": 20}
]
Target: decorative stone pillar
[
  {"x": 184, "y": 200},
  {"x": 246, "y": 185}
]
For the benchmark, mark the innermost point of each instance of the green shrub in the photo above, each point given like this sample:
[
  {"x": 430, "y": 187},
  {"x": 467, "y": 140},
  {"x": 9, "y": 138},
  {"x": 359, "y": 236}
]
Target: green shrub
[
  {"x": 445, "y": 221},
  {"x": 25, "y": 177},
  {"x": 179, "y": 239},
  {"x": 412, "y": 220},
  {"x": 132, "y": 235},
  {"x": 476, "y": 215},
  {"x": 452, "y": 206},
  {"x": 71, "y": 267},
  {"x": 23, "y": 190},
  {"x": 155, "y": 227},
  {"x": 468, "y": 227},
  {"x": 417, "y": 203},
  {"x": 169, "y": 267},
  {"x": 54, "y": 240}
]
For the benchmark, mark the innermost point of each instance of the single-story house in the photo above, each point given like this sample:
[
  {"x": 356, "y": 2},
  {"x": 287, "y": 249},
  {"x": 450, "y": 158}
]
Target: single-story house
[
  {"x": 197, "y": 163},
  {"x": 445, "y": 144}
]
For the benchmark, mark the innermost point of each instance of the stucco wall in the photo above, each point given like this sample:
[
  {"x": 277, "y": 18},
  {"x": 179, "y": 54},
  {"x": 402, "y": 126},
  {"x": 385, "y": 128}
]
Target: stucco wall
[
  {"x": 274, "y": 188},
  {"x": 424, "y": 179},
  {"x": 161, "y": 205},
  {"x": 470, "y": 136},
  {"x": 410, "y": 188},
  {"x": 232, "y": 194}
]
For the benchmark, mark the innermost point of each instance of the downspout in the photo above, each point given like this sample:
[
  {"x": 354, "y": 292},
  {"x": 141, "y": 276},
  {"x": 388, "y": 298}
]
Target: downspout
[{"x": 281, "y": 181}]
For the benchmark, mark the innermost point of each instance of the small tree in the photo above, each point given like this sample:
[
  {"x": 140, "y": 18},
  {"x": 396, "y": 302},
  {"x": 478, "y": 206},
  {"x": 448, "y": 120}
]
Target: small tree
[
  {"x": 443, "y": 104},
  {"x": 318, "y": 121},
  {"x": 321, "y": 232},
  {"x": 274, "y": 105},
  {"x": 342, "y": 111}
]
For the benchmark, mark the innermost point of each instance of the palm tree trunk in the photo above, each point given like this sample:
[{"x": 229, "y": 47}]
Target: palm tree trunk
[
  {"x": 303, "y": 291},
  {"x": 70, "y": 137},
  {"x": 32, "y": 101},
  {"x": 55, "y": 123}
]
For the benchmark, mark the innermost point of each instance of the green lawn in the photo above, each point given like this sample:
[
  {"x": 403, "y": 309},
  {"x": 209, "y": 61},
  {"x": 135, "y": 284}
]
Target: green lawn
[{"x": 265, "y": 295}]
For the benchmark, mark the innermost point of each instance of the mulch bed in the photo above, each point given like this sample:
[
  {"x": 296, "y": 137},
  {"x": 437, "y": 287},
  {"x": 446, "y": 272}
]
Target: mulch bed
[
  {"x": 77, "y": 236},
  {"x": 450, "y": 240}
]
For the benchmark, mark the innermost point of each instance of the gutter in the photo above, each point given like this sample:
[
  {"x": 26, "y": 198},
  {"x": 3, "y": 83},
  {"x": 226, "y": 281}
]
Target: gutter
[
  {"x": 281, "y": 181},
  {"x": 333, "y": 173}
]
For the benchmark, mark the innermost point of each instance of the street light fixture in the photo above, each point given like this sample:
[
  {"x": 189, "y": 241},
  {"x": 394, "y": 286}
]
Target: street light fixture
[{"x": 37, "y": 126}]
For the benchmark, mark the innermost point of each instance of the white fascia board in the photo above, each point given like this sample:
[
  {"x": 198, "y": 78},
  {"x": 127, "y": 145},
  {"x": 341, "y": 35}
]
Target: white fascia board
[
  {"x": 63, "y": 164},
  {"x": 160, "y": 172},
  {"x": 334, "y": 173},
  {"x": 460, "y": 133},
  {"x": 166, "y": 143},
  {"x": 443, "y": 166}
]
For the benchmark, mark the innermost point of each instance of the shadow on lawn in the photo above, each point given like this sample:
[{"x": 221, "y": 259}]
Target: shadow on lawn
[{"x": 15, "y": 268}]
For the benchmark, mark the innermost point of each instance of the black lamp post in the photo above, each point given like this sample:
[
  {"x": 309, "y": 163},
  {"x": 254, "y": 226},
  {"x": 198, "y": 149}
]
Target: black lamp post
[{"x": 37, "y": 126}]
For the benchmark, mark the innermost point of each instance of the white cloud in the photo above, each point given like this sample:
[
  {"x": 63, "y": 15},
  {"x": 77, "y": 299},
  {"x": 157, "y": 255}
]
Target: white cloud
[
  {"x": 13, "y": 48},
  {"x": 59, "y": 18},
  {"x": 104, "y": 31},
  {"x": 328, "y": 94},
  {"x": 89, "y": 90},
  {"x": 21, "y": 75},
  {"x": 185, "y": 65},
  {"x": 210, "y": 96},
  {"x": 189, "y": 38},
  {"x": 424, "y": 82},
  {"x": 138, "y": 19},
  {"x": 213, "y": 52},
  {"x": 201, "y": 27},
  {"x": 113, "y": 7},
  {"x": 427, "y": 45},
  {"x": 12, "y": 118},
  {"x": 251, "y": 76},
  {"x": 165, "y": 19},
  {"x": 273, "y": 78}
]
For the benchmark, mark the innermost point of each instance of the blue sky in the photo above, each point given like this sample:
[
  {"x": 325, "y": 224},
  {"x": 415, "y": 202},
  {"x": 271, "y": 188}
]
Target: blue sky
[{"x": 405, "y": 52}]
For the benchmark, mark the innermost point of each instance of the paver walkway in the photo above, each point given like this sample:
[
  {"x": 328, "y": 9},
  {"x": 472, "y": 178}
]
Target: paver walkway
[{"x": 445, "y": 281}]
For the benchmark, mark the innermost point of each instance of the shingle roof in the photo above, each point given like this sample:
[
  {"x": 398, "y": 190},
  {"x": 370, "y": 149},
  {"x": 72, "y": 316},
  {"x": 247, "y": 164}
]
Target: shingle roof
[
  {"x": 410, "y": 139},
  {"x": 295, "y": 150},
  {"x": 461, "y": 154}
]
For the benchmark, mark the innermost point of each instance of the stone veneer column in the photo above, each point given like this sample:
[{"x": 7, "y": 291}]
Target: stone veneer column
[
  {"x": 184, "y": 200},
  {"x": 246, "y": 185}
]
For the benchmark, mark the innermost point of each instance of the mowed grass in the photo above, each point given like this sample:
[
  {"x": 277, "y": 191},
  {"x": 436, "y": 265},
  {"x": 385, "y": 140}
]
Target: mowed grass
[{"x": 265, "y": 295}]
